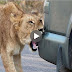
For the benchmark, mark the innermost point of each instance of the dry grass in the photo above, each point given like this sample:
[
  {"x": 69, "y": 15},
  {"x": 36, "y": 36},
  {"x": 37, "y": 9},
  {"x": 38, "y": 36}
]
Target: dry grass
[
  {"x": 2, "y": 2},
  {"x": 33, "y": 5},
  {"x": 30, "y": 5}
]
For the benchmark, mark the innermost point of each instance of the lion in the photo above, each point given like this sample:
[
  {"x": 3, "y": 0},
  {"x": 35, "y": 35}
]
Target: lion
[{"x": 15, "y": 29}]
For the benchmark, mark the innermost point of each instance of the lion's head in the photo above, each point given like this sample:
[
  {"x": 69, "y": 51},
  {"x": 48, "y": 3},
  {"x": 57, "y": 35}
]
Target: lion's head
[
  {"x": 25, "y": 25},
  {"x": 18, "y": 24}
]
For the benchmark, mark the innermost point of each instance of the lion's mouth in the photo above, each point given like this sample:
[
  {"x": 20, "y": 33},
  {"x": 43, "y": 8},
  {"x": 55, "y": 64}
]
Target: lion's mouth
[{"x": 34, "y": 46}]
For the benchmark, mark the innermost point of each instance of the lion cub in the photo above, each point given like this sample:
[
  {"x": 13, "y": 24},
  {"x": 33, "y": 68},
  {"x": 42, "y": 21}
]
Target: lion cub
[{"x": 15, "y": 29}]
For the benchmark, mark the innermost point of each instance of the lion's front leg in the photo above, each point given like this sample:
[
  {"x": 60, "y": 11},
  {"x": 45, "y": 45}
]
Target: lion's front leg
[
  {"x": 7, "y": 61},
  {"x": 17, "y": 62}
]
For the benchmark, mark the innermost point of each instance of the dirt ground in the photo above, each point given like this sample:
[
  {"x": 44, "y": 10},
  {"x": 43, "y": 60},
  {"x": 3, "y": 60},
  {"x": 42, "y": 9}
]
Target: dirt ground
[{"x": 31, "y": 62}]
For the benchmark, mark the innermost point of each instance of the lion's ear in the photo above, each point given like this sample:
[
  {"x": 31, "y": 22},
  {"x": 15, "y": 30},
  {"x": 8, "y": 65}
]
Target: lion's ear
[
  {"x": 16, "y": 21},
  {"x": 12, "y": 18}
]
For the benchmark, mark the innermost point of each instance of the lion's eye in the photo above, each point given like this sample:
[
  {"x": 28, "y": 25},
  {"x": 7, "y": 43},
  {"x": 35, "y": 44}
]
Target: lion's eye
[{"x": 31, "y": 22}]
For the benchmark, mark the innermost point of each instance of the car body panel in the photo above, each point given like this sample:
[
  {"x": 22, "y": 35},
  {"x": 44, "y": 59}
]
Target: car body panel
[
  {"x": 57, "y": 25},
  {"x": 49, "y": 45},
  {"x": 58, "y": 15}
]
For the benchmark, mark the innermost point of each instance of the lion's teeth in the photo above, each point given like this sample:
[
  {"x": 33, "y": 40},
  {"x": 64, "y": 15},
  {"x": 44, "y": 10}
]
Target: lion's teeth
[{"x": 35, "y": 47}]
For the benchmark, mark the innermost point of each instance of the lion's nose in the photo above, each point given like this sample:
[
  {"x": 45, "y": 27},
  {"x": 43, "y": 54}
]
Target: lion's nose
[{"x": 42, "y": 30}]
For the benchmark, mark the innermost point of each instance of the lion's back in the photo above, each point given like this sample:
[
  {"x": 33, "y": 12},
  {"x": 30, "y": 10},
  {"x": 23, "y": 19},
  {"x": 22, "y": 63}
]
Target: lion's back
[{"x": 5, "y": 23}]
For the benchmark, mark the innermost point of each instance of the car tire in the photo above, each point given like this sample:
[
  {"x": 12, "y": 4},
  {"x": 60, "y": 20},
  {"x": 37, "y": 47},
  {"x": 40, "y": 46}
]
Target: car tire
[
  {"x": 70, "y": 50},
  {"x": 60, "y": 66}
]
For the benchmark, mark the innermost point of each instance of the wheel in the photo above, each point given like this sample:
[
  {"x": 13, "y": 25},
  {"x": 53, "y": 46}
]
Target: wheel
[
  {"x": 60, "y": 66},
  {"x": 70, "y": 50}
]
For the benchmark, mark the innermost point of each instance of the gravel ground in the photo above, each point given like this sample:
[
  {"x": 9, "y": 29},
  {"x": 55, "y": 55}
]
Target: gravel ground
[{"x": 31, "y": 62}]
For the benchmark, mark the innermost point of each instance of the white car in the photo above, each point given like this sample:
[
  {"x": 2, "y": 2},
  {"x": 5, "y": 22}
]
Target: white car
[{"x": 56, "y": 44}]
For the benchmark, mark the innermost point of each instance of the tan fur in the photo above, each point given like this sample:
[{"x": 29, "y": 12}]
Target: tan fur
[{"x": 15, "y": 29}]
